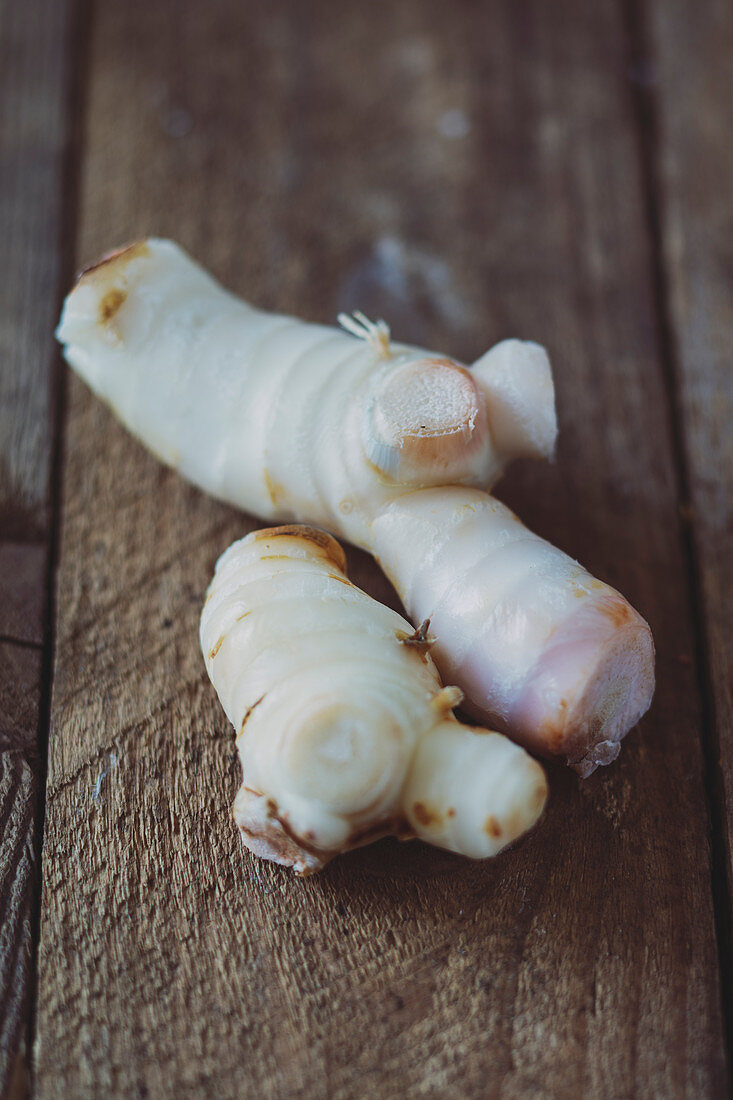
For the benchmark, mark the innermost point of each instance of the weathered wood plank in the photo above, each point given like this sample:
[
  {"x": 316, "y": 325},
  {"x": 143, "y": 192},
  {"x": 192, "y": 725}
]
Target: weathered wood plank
[
  {"x": 470, "y": 172},
  {"x": 20, "y": 686},
  {"x": 691, "y": 84},
  {"x": 32, "y": 136},
  {"x": 33, "y": 132}
]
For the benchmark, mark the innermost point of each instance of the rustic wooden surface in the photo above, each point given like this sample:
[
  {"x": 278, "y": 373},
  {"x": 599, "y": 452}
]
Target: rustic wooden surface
[
  {"x": 469, "y": 171},
  {"x": 695, "y": 176},
  {"x": 33, "y": 134}
]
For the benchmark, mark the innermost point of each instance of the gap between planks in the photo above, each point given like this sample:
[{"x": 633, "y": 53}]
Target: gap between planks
[
  {"x": 646, "y": 109},
  {"x": 76, "y": 51}
]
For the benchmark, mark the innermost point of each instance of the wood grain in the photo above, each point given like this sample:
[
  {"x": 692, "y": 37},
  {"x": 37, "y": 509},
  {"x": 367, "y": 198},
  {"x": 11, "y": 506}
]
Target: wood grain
[
  {"x": 469, "y": 172},
  {"x": 32, "y": 137},
  {"x": 691, "y": 81},
  {"x": 33, "y": 132},
  {"x": 20, "y": 685}
]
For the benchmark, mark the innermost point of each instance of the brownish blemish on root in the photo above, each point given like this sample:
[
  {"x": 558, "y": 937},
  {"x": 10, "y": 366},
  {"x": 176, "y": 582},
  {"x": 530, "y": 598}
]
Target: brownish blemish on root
[
  {"x": 342, "y": 580},
  {"x": 451, "y": 812},
  {"x": 419, "y": 640},
  {"x": 553, "y": 734},
  {"x": 492, "y": 827},
  {"x": 213, "y": 652},
  {"x": 242, "y": 616},
  {"x": 395, "y": 826},
  {"x": 300, "y": 841},
  {"x": 616, "y": 609},
  {"x": 321, "y": 539},
  {"x": 579, "y": 588},
  {"x": 515, "y": 824},
  {"x": 556, "y": 729},
  {"x": 425, "y": 815},
  {"x": 247, "y": 716},
  {"x": 278, "y": 493},
  {"x": 112, "y": 301},
  {"x": 291, "y": 846}
]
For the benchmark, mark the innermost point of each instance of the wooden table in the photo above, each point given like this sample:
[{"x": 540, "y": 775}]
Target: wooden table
[{"x": 560, "y": 171}]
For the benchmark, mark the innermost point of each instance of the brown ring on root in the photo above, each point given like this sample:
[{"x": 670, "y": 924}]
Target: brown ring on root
[
  {"x": 321, "y": 539},
  {"x": 128, "y": 251},
  {"x": 311, "y": 849},
  {"x": 396, "y": 826},
  {"x": 246, "y": 718}
]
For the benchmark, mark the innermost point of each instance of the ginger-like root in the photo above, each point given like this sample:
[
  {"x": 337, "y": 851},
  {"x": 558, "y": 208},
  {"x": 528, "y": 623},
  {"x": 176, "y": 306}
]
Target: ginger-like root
[
  {"x": 344, "y": 731},
  {"x": 293, "y": 421},
  {"x": 290, "y": 420},
  {"x": 540, "y": 648}
]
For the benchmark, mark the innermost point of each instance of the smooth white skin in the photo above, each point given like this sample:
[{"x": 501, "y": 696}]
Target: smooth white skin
[
  {"x": 296, "y": 421},
  {"x": 345, "y": 732},
  {"x": 538, "y": 645},
  {"x": 285, "y": 419}
]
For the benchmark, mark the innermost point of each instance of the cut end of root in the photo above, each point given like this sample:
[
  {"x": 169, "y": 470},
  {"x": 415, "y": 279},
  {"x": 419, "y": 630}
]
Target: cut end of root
[
  {"x": 426, "y": 423},
  {"x": 96, "y": 302},
  {"x": 599, "y": 755},
  {"x": 591, "y": 685}
]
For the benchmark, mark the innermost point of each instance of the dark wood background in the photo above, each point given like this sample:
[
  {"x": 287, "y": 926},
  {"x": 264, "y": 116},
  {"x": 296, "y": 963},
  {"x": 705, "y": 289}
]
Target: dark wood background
[{"x": 559, "y": 171}]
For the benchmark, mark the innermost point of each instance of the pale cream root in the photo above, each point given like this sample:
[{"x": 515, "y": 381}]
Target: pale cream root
[
  {"x": 344, "y": 731},
  {"x": 339, "y": 427},
  {"x": 515, "y": 378},
  {"x": 287, "y": 419},
  {"x": 472, "y": 791},
  {"x": 540, "y": 647}
]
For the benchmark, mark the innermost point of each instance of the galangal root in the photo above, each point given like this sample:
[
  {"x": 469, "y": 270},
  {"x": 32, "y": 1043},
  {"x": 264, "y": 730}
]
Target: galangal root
[
  {"x": 344, "y": 730},
  {"x": 391, "y": 447}
]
